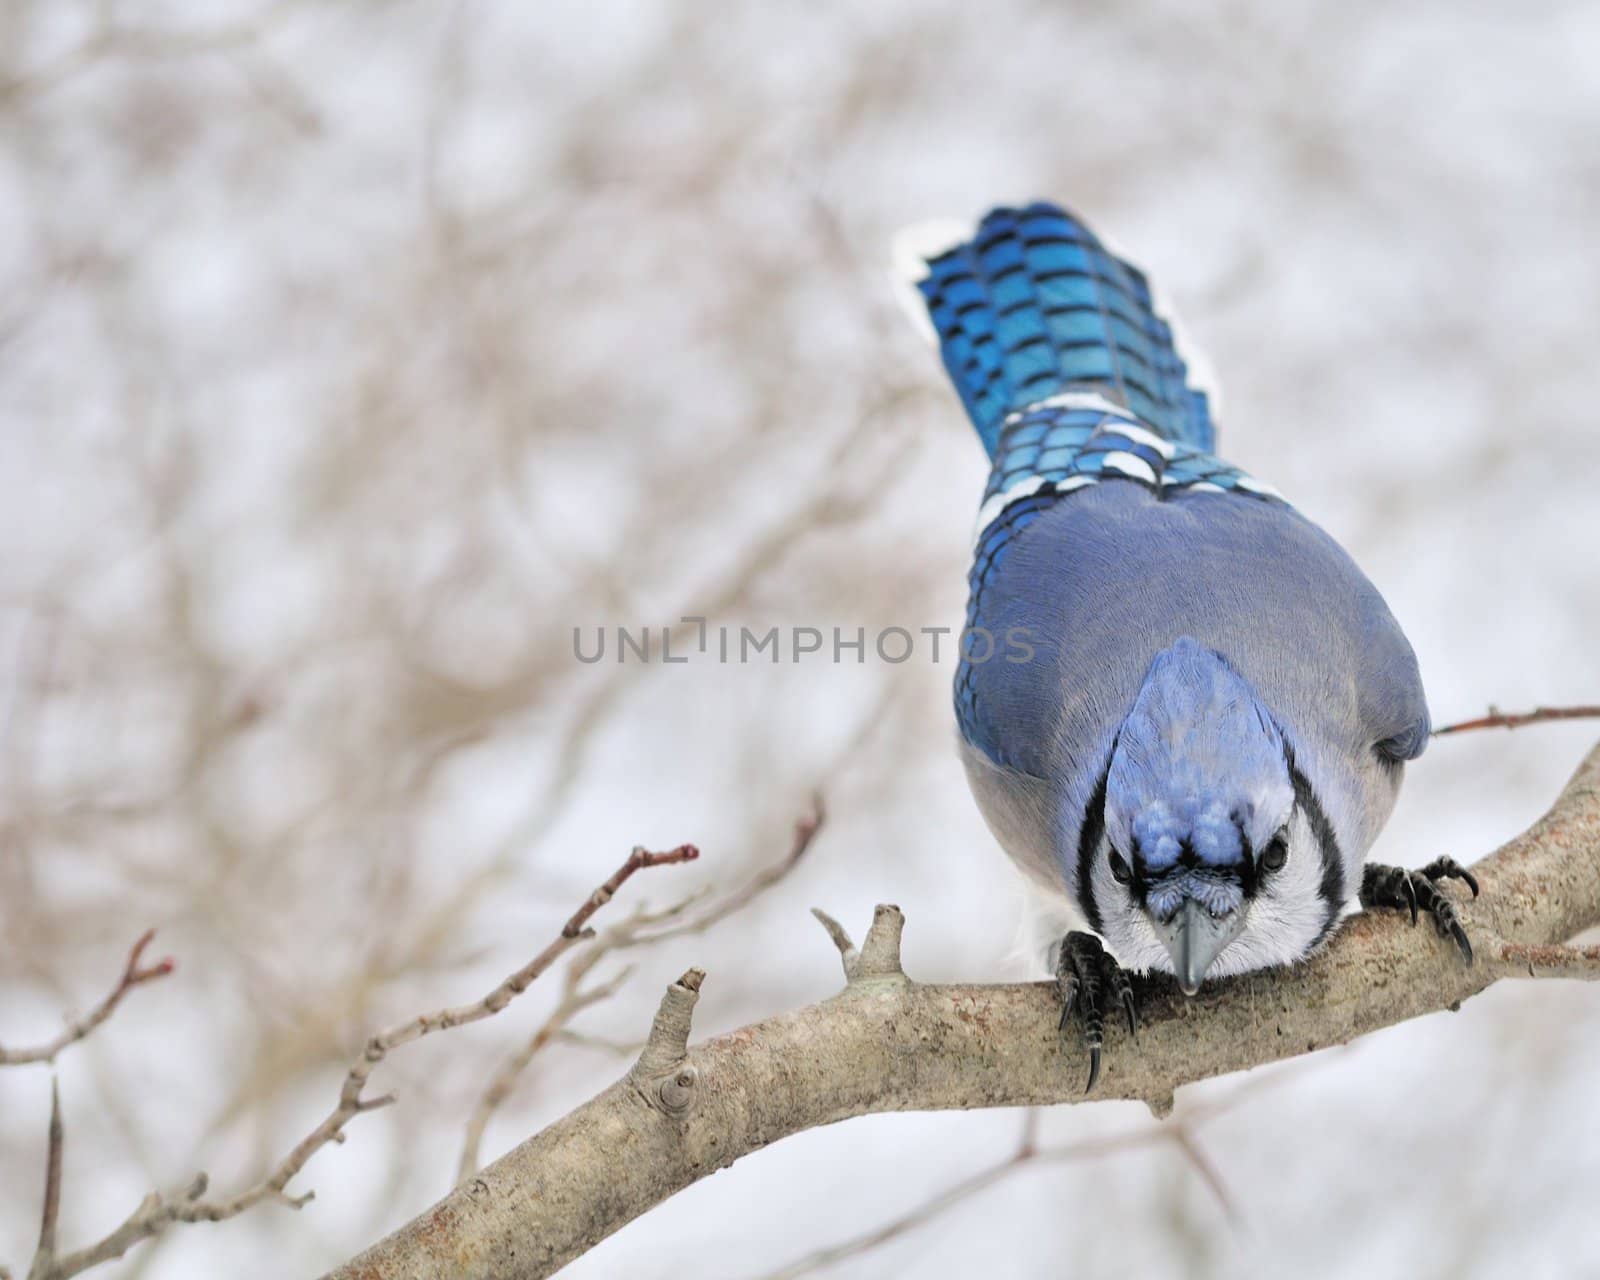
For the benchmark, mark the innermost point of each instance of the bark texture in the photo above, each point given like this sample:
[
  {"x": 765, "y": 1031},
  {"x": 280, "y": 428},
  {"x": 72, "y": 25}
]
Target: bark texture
[{"x": 886, "y": 1043}]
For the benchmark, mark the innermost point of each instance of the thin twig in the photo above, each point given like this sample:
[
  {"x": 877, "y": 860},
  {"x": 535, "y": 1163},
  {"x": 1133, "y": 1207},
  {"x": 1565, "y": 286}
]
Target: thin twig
[
  {"x": 637, "y": 931},
  {"x": 1179, "y": 1132},
  {"x": 1497, "y": 719},
  {"x": 840, "y": 938},
  {"x": 133, "y": 975},
  {"x": 44, "y": 1258},
  {"x": 586, "y": 1040},
  {"x": 639, "y": 859},
  {"x": 1195, "y": 1153},
  {"x": 155, "y": 1213},
  {"x": 896, "y": 1227},
  {"x": 964, "y": 1190},
  {"x": 573, "y": 1001},
  {"x": 805, "y": 832}
]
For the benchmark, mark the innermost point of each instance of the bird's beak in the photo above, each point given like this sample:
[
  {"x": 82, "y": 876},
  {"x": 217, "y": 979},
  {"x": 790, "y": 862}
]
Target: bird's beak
[{"x": 1194, "y": 938}]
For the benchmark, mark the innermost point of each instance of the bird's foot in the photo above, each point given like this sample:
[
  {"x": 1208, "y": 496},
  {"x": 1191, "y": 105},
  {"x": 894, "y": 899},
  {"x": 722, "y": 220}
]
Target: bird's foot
[
  {"x": 1383, "y": 886},
  {"x": 1088, "y": 979}
]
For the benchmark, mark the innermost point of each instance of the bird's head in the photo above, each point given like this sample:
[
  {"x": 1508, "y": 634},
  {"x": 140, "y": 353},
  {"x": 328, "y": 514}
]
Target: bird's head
[{"x": 1206, "y": 863}]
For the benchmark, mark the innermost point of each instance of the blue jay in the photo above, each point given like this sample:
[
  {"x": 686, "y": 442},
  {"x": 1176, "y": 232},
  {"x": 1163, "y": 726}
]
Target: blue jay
[{"x": 1184, "y": 710}]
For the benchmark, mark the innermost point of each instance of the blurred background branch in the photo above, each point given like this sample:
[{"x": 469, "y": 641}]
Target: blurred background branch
[
  {"x": 642, "y": 929},
  {"x": 1497, "y": 719},
  {"x": 156, "y": 1213},
  {"x": 134, "y": 973}
]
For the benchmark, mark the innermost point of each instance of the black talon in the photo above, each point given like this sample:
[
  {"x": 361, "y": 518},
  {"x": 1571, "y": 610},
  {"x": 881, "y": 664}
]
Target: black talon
[
  {"x": 1445, "y": 919},
  {"x": 1085, "y": 973},
  {"x": 1440, "y": 868},
  {"x": 1411, "y": 895},
  {"x": 1126, "y": 990},
  {"x": 1396, "y": 887}
]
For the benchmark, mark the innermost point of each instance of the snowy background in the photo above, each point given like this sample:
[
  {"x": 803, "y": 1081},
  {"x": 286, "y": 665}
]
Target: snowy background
[{"x": 352, "y": 354}]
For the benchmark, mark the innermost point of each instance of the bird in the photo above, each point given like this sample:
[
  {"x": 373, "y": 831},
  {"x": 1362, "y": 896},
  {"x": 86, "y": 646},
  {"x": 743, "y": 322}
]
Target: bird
[{"x": 1184, "y": 711}]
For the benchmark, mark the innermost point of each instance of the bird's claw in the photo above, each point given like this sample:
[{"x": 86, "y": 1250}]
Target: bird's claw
[
  {"x": 1447, "y": 868},
  {"x": 1085, "y": 972},
  {"x": 1383, "y": 886}
]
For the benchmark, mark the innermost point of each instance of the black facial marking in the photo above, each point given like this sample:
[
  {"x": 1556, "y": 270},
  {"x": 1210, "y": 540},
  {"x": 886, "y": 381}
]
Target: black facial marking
[
  {"x": 1089, "y": 835},
  {"x": 1331, "y": 889},
  {"x": 1244, "y": 836}
]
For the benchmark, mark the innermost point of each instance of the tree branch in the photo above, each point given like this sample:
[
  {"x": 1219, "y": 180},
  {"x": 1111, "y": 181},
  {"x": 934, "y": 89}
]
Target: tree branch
[
  {"x": 886, "y": 1043},
  {"x": 133, "y": 975},
  {"x": 641, "y": 929},
  {"x": 1181, "y": 1133},
  {"x": 44, "y": 1258},
  {"x": 1497, "y": 719},
  {"x": 155, "y": 1213}
]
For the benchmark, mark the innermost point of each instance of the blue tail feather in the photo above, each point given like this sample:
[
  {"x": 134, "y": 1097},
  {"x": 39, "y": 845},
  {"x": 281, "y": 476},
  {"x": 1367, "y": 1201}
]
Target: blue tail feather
[{"x": 1034, "y": 305}]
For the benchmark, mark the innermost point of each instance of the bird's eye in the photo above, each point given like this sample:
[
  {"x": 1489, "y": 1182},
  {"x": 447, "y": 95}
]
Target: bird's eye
[
  {"x": 1276, "y": 853},
  {"x": 1119, "y": 868}
]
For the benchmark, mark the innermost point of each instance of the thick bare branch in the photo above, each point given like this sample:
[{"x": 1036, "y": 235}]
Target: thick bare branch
[
  {"x": 841, "y": 940},
  {"x": 1521, "y": 959},
  {"x": 901, "y": 1045},
  {"x": 134, "y": 974}
]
